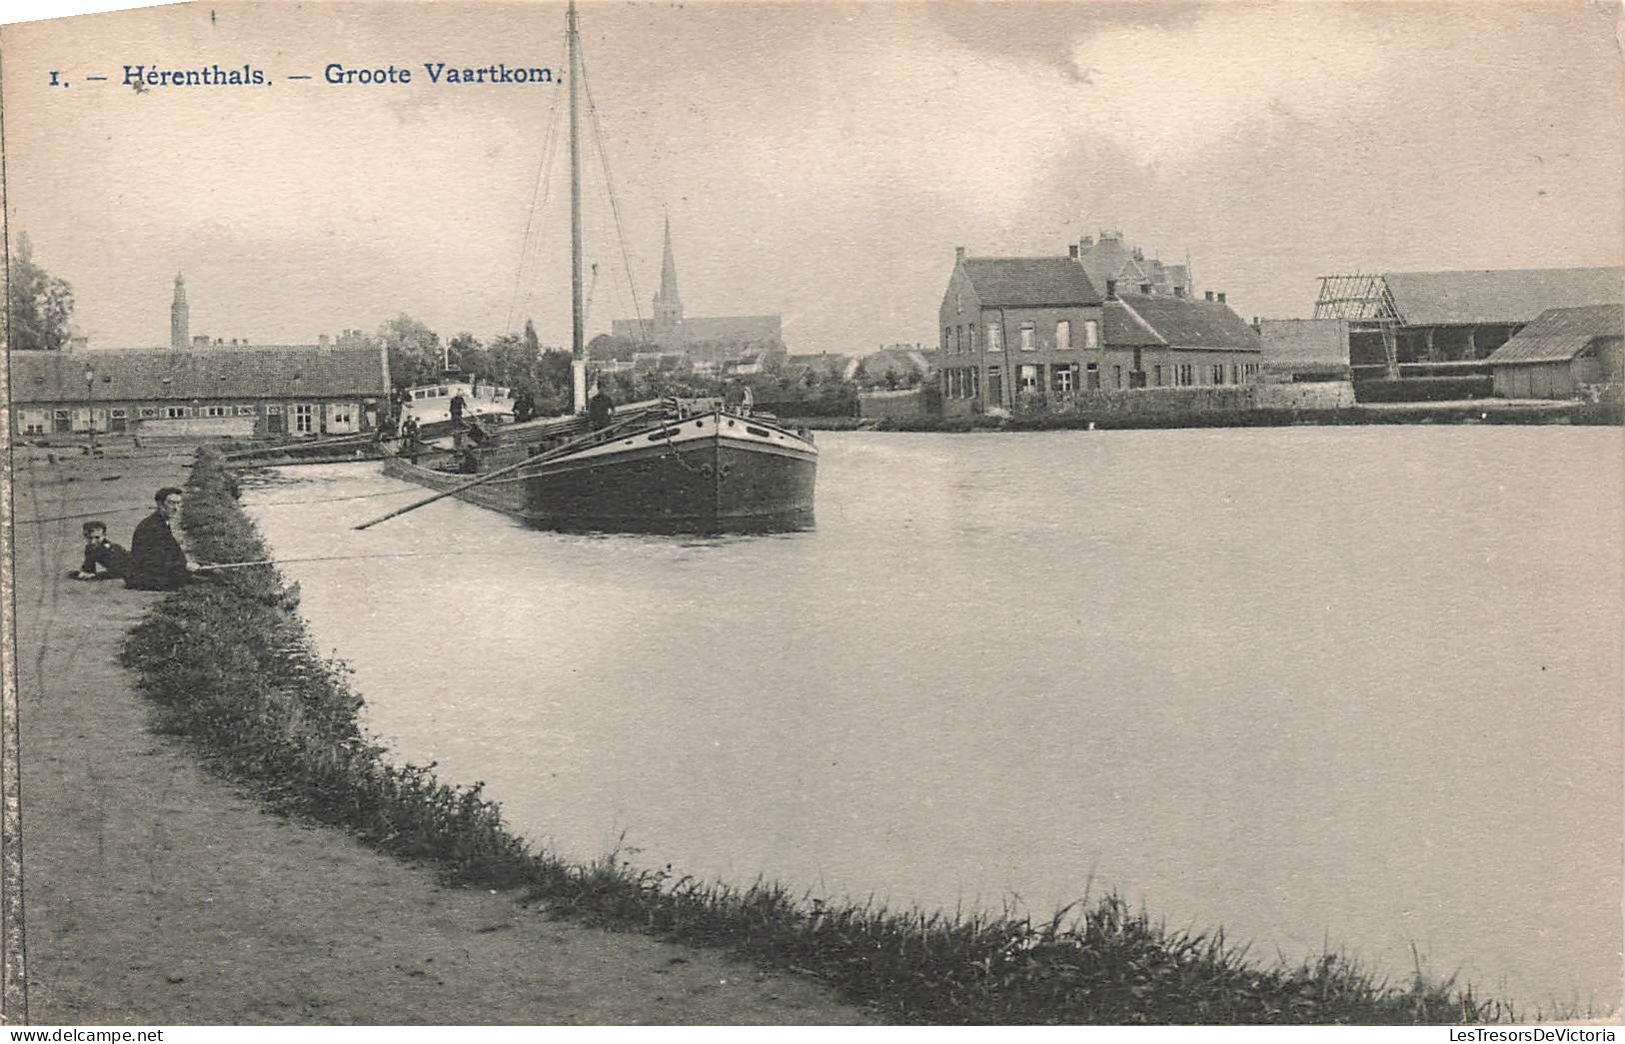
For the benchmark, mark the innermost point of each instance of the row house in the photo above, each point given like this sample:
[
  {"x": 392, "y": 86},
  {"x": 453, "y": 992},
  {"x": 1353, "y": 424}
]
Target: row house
[
  {"x": 303, "y": 390},
  {"x": 1155, "y": 341}
]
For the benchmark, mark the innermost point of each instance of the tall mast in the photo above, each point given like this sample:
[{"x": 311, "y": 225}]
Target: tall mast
[{"x": 577, "y": 356}]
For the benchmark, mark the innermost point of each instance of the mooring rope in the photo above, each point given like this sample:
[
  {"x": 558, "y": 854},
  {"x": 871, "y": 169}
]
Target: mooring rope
[{"x": 214, "y": 566}]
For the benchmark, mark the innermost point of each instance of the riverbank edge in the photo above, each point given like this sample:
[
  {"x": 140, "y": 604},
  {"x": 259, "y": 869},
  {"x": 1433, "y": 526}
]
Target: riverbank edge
[
  {"x": 230, "y": 667},
  {"x": 1486, "y": 411}
]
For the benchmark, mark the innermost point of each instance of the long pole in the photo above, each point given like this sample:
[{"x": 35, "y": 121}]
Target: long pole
[{"x": 578, "y": 361}]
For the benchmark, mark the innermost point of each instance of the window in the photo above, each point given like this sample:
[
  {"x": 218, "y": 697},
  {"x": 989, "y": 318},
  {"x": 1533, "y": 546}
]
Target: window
[
  {"x": 1063, "y": 335},
  {"x": 148, "y": 412},
  {"x": 61, "y": 414},
  {"x": 953, "y": 384},
  {"x": 1029, "y": 379},
  {"x": 1064, "y": 379},
  {"x": 995, "y": 338},
  {"x": 1218, "y": 373},
  {"x": 959, "y": 339},
  {"x": 245, "y": 411},
  {"x": 1156, "y": 376},
  {"x": 1091, "y": 376},
  {"x": 947, "y": 339},
  {"x": 217, "y": 411},
  {"x": 33, "y": 422},
  {"x": 120, "y": 413},
  {"x": 1091, "y": 333},
  {"x": 1185, "y": 375},
  {"x": 959, "y": 302},
  {"x": 273, "y": 409},
  {"x": 304, "y": 418},
  {"x": 175, "y": 412},
  {"x": 1027, "y": 339},
  {"x": 1235, "y": 374},
  {"x": 975, "y": 383},
  {"x": 970, "y": 336},
  {"x": 1117, "y": 376}
]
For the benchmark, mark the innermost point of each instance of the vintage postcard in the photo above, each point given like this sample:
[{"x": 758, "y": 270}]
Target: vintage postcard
[{"x": 823, "y": 513}]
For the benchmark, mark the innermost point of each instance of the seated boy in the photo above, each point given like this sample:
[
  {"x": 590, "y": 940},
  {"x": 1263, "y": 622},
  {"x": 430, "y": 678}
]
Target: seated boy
[{"x": 104, "y": 560}]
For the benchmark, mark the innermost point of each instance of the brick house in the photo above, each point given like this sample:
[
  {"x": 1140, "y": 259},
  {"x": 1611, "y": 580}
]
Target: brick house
[
  {"x": 1155, "y": 341},
  {"x": 241, "y": 392},
  {"x": 1014, "y": 326}
]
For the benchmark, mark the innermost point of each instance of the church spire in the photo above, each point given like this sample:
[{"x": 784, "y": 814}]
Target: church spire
[
  {"x": 668, "y": 310},
  {"x": 668, "y": 274}
]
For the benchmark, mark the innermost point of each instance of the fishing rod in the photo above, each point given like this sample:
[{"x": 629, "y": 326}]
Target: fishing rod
[{"x": 216, "y": 566}]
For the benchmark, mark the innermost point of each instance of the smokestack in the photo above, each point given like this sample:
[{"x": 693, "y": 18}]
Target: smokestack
[
  {"x": 1221, "y": 297},
  {"x": 1111, "y": 289},
  {"x": 1210, "y": 295},
  {"x": 959, "y": 253},
  {"x": 1072, "y": 251}
]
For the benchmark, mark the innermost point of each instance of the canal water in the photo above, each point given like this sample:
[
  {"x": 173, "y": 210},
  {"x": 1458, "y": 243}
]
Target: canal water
[{"x": 1357, "y": 687}]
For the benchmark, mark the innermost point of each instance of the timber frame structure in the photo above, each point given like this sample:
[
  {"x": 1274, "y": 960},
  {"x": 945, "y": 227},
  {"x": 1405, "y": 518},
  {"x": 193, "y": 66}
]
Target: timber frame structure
[{"x": 1367, "y": 305}]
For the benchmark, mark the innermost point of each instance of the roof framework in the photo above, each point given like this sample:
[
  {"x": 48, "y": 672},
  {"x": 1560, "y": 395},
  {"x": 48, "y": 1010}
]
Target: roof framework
[{"x": 1357, "y": 297}]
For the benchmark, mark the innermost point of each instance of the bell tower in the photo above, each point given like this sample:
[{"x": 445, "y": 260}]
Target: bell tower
[
  {"x": 179, "y": 317},
  {"x": 668, "y": 307}
]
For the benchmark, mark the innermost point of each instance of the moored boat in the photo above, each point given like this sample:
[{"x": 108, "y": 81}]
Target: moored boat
[
  {"x": 665, "y": 466},
  {"x": 663, "y": 471}
]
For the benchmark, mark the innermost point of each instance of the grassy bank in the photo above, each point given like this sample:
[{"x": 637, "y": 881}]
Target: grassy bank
[
  {"x": 229, "y": 666},
  {"x": 1488, "y": 412}
]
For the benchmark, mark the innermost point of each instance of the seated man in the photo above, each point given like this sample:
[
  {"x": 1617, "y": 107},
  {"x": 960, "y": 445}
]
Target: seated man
[
  {"x": 157, "y": 561},
  {"x": 104, "y": 560}
]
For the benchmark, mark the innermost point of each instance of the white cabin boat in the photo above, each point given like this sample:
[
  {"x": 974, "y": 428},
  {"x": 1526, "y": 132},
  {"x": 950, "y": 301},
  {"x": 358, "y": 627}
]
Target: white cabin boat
[{"x": 430, "y": 404}]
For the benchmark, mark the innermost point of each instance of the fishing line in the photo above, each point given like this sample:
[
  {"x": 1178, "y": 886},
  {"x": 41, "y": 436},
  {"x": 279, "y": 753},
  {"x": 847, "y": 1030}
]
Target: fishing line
[{"x": 268, "y": 503}]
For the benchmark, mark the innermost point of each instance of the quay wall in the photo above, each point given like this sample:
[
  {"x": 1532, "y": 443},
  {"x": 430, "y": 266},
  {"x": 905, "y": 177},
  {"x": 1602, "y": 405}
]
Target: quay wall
[{"x": 230, "y": 666}]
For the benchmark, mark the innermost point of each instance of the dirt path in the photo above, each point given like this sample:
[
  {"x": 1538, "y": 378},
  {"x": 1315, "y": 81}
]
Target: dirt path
[{"x": 157, "y": 894}]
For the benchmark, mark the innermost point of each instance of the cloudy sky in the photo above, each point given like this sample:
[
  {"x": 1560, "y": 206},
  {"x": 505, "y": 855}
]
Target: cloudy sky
[{"x": 817, "y": 159}]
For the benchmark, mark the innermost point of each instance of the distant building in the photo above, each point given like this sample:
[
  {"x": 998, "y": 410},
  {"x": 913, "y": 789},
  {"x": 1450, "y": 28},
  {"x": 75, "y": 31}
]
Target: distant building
[
  {"x": 1438, "y": 321},
  {"x": 705, "y": 339},
  {"x": 1299, "y": 349},
  {"x": 1561, "y": 353},
  {"x": 295, "y": 390},
  {"x": 1109, "y": 258}
]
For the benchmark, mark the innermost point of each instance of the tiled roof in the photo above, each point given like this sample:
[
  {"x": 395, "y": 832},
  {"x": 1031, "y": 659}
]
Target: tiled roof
[
  {"x": 1501, "y": 295},
  {"x": 1559, "y": 334},
  {"x": 1179, "y": 322},
  {"x": 212, "y": 373},
  {"x": 1029, "y": 282}
]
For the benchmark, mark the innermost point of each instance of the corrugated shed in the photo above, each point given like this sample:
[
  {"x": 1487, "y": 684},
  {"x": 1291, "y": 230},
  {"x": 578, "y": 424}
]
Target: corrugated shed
[
  {"x": 225, "y": 373},
  {"x": 1559, "y": 334},
  {"x": 1499, "y": 296},
  {"x": 1029, "y": 282},
  {"x": 1178, "y": 322},
  {"x": 1304, "y": 342}
]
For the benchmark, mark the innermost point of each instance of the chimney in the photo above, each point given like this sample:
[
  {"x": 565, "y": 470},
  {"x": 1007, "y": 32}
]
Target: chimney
[
  {"x": 1145, "y": 288},
  {"x": 1210, "y": 295},
  {"x": 1072, "y": 251},
  {"x": 1088, "y": 242},
  {"x": 959, "y": 253},
  {"x": 1179, "y": 291},
  {"x": 1221, "y": 297},
  {"x": 1111, "y": 289}
]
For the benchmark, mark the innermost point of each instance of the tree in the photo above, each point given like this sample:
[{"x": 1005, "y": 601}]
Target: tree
[
  {"x": 414, "y": 351},
  {"x": 40, "y": 304},
  {"x": 533, "y": 344},
  {"x": 465, "y": 353}
]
